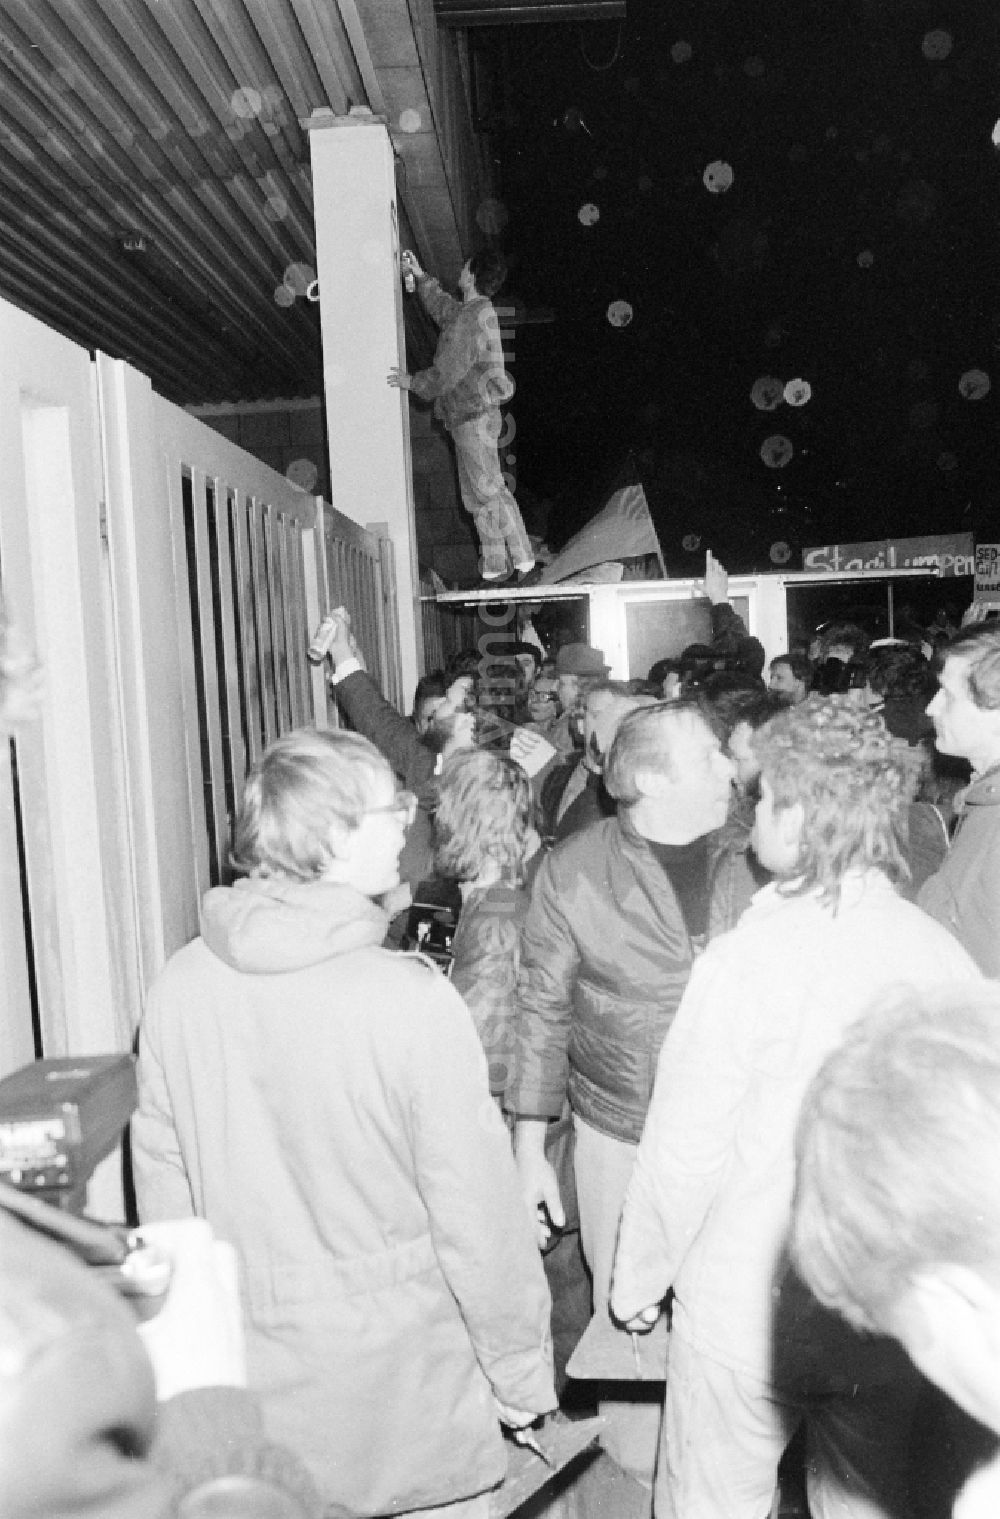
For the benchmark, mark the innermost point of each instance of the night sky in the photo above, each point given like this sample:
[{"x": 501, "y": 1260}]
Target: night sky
[{"x": 855, "y": 249}]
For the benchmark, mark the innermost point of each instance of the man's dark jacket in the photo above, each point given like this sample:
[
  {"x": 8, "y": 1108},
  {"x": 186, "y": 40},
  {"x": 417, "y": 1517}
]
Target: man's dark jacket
[
  {"x": 605, "y": 959},
  {"x": 415, "y": 762}
]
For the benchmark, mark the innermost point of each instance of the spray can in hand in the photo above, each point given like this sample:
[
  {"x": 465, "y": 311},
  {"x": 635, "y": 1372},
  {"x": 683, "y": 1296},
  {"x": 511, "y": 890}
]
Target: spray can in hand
[{"x": 324, "y": 635}]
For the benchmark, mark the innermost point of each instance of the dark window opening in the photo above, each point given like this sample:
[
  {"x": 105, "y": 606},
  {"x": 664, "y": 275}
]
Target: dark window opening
[
  {"x": 215, "y": 575},
  {"x": 191, "y": 549},
  {"x": 235, "y": 558},
  {"x": 29, "y": 940}
]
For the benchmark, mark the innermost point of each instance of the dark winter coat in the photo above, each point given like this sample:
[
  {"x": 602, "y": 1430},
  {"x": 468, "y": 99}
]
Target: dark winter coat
[
  {"x": 415, "y": 762},
  {"x": 487, "y": 954},
  {"x": 605, "y": 959}
]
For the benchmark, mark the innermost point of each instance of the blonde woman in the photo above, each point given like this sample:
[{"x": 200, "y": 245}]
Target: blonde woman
[{"x": 484, "y": 839}]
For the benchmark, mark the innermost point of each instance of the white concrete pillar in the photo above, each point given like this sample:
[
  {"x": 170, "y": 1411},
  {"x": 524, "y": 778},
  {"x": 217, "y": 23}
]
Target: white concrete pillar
[{"x": 361, "y": 313}]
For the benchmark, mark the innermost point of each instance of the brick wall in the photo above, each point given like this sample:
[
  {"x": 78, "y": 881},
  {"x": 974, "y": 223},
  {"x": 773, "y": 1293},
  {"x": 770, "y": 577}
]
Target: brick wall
[
  {"x": 290, "y": 437},
  {"x": 446, "y": 538}
]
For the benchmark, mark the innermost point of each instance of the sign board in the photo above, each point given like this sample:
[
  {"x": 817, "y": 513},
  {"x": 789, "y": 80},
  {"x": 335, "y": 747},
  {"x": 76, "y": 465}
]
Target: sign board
[
  {"x": 947, "y": 553},
  {"x": 988, "y": 571}
]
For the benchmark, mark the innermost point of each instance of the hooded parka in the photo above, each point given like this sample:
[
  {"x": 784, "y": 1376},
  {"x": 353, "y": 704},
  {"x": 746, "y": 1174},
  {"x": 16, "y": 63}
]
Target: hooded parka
[{"x": 325, "y": 1104}]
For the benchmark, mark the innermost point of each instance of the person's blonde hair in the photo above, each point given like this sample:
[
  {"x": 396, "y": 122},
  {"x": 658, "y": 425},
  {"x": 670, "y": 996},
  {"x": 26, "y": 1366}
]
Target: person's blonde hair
[
  {"x": 838, "y": 761},
  {"x": 898, "y": 1152},
  {"x": 305, "y": 786},
  {"x": 483, "y": 816}
]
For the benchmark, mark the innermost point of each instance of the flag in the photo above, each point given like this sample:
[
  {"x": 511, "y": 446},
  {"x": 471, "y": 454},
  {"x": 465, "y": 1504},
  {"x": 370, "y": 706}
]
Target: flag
[{"x": 622, "y": 529}]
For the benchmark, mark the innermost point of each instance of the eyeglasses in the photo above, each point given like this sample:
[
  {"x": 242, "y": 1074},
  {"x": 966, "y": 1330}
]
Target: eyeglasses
[{"x": 403, "y": 806}]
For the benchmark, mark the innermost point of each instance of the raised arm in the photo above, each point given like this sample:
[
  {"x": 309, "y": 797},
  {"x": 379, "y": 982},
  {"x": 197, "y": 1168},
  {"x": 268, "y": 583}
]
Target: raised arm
[
  {"x": 369, "y": 714},
  {"x": 729, "y": 632}
]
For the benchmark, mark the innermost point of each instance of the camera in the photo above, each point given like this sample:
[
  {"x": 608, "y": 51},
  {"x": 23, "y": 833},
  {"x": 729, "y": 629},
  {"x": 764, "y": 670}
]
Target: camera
[{"x": 58, "y": 1119}]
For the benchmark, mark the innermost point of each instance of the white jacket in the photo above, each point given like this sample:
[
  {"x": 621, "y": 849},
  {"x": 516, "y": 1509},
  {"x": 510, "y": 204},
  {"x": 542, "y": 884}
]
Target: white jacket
[{"x": 708, "y": 1207}]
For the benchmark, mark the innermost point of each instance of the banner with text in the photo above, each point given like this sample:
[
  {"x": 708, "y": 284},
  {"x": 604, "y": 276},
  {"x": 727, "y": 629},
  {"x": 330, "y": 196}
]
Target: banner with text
[
  {"x": 948, "y": 553},
  {"x": 988, "y": 572}
]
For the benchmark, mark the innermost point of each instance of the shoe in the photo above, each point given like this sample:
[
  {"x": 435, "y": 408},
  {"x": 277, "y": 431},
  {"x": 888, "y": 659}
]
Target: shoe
[
  {"x": 530, "y": 577},
  {"x": 499, "y": 579},
  {"x": 476, "y": 583}
]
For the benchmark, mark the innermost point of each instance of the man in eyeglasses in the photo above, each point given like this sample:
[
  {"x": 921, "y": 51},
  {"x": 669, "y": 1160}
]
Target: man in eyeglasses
[{"x": 325, "y": 1104}]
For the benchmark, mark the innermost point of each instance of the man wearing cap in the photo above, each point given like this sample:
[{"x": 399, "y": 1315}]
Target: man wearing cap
[
  {"x": 578, "y": 668},
  {"x": 542, "y": 748}
]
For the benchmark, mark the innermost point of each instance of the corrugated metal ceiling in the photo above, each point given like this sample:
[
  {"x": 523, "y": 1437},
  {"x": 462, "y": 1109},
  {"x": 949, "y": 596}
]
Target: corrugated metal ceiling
[{"x": 155, "y": 196}]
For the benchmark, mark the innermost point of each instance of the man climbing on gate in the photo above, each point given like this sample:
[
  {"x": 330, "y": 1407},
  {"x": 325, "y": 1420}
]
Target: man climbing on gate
[{"x": 468, "y": 384}]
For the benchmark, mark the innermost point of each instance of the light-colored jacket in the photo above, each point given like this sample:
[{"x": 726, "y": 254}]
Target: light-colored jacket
[
  {"x": 964, "y": 894},
  {"x": 709, "y": 1203},
  {"x": 325, "y": 1104},
  {"x": 467, "y": 377}
]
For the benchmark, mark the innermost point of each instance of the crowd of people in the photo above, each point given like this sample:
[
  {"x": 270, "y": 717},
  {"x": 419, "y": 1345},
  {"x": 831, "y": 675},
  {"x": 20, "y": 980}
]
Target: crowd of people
[
  {"x": 670, "y": 901},
  {"x": 710, "y": 1046},
  {"x": 658, "y": 1011}
]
